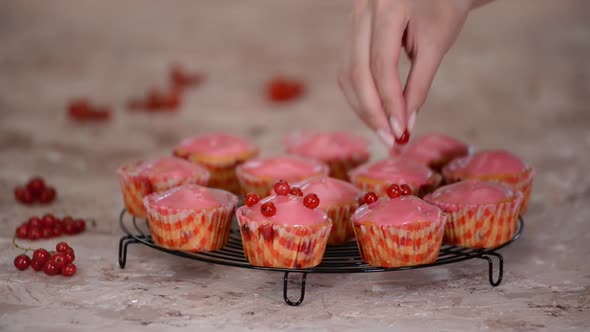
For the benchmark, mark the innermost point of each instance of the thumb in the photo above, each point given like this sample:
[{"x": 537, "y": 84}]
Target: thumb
[{"x": 424, "y": 67}]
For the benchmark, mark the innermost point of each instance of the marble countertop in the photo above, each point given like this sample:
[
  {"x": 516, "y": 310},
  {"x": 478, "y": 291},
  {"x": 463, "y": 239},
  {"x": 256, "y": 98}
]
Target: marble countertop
[{"x": 515, "y": 80}]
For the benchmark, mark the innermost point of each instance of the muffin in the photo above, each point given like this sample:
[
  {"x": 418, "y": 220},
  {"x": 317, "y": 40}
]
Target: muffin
[
  {"x": 339, "y": 199},
  {"x": 481, "y": 214},
  {"x": 496, "y": 166},
  {"x": 378, "y": 175},
  {"x": 220, "y": 154},
  {"x": 397, "y": 232},
  {"x": 341, "y": 151},
  {"x": 142, "y": 178},
  {"x": 191, "y": 217},
  {"x": 434, "y": 150},
  {"x": 280, "y": 231},
  {"x": 259, "y": 175}
]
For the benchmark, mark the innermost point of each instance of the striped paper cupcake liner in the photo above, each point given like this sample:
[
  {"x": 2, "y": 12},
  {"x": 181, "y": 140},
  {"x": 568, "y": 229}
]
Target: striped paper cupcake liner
[
  {"x": 339, "y": 168},
  {"x": 342, "y": 230},
  {"x": 263, "y": 185}
]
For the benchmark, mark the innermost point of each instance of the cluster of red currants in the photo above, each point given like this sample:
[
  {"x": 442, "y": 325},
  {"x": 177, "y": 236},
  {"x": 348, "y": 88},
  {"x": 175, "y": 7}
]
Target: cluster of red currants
[
  {"x": 393, "y": 191},
  {"x": 49, "y": 226},
  {"x": 282, "y": 188},
  {"x": 52, "y": 263},
  {"x": 35, "y": 191}
]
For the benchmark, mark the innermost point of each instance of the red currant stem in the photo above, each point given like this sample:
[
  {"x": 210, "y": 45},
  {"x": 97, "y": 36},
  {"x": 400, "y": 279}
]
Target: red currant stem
[{"x": 19, "y": 247}]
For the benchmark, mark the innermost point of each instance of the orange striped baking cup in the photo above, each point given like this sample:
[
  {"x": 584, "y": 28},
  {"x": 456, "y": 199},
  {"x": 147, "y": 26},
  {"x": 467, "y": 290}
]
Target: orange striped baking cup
[{"x": 342, "y": 230}]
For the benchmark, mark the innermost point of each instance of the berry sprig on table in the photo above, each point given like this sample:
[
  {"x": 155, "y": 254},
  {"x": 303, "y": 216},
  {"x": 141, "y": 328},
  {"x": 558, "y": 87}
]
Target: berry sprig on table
[
  {"x": 36, "y": 190},
  {"x": 49, "y": 226},
  {"x": 52, "y": 263}
]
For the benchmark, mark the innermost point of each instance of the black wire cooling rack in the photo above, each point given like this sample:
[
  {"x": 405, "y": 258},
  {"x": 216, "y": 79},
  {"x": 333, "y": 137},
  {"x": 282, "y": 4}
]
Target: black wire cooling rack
[{"x": 337, "y": 259}]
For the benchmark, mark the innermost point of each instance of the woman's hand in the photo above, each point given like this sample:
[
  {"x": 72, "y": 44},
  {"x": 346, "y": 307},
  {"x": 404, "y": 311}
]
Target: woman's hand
[{"x": 426, "y": 29}]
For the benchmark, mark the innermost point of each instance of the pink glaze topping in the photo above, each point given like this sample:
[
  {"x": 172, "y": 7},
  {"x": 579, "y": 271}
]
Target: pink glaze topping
[
  {"x": 397, "y": 212},
  {"x": 288, "y": 168},
  {"x": 326, "y": 145},
  {"x": 395, "y": 170},
  {"x": 331, "y": 191},
  {"x": 170, "y": 167},
  {"x": 217, "y": 145},
  {"x": 434, "y": 147},
  {"x": 290, "y": 211},
  {"x": 490, "y": 162},
  {"x": 192, "y": 196},
  {"x": 471, "y": 192}
]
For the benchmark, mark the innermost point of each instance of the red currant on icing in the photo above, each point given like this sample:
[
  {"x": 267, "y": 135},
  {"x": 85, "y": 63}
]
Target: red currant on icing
[
  {"x": 68, "y": 270},
  {"x": 394, "y": 191},
  {"x": 403, "y": 139},
  {"x": 371, "y": 197},
  {"x": 268, "y": 209},
  {"x": 296, "y": 191},
  {"x": 281, "y": 188},
  {"x": 406, "y": 190},
  {"x": 69, "y": 255},
  {"x": 50, "y": 269},
  {"x": 41, "y": 255},
  {"x": 59, "y": 260},
  {"x": 47, "y": 195},
  {"x": 251, "y": 199},
  {"x": 22, "y": 232},
  {"x": 22, "y": 262},
  {"x": 36, "y": 185},
  {"x": 62, "y": 247},
  {"x": 311, "y": 201}
]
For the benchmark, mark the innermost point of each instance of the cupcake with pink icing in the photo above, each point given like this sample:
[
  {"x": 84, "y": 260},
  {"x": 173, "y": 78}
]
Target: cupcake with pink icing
[
  {"x": 259, "y": 175},
  {"x": 339, "y": 199},
  {"x": 481, "y": 214},
  {"x": 190, "y": 217},
  {"x": 377, "y": 176},
  {"x": 496, "y": 166},
  {"x": 434, "y": 150},
  {"x": 283, "y": 230},
  {"x": 396, "y": 232},
  {"x": 142, "y": 178},
  {"x": 341, "y": 151},
  {"x": 220, "y": 154}
]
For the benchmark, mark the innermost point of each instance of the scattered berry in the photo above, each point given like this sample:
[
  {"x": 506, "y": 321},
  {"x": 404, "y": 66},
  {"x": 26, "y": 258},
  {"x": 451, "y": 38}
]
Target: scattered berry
[
  {"x": 22, "y": 232},
  {"x": 79, "y": 225},
  {"x": 58, "y": 230},
  {"x": 69, "y": 255},
  {"x": 394, "y": 191},
  {"x": 36, "y": 186},
  {"x": 406, "y": 190},
  {"x": 370, "y": 197},
  {"x": 268, "y": 209},
  {"x": 22, "y": 262},
  {"x": 59, "y": 260},
  {"x": 35, "y": 191},
  {"x": 34, "y": 233},
  {"x": 283, "y": 90},
  {"x": 47, "y": 196},
  {"x": 182, "y": 79},
  {"x": 48, "y": 220},
  {"x": 251, "y": 199},
  {"x": 296, "y": 191},
  {"x": 35, "y": 222},
  {"x": 41, "y": 255},
  {"x": 46, "y": 233},
  {"x": 37, "y": 265},
  {"x": 50, "y": 269},
  {"x": 403, "y": 139},
  {"x": 68, "y": 270},
  {"x": 49, "y": 226},
  {"x": 62, "y": 247},
  {"x": 282, "y": 188},
  {"x": 82, "y": 110},
  {"x": 311, "y": 201}
]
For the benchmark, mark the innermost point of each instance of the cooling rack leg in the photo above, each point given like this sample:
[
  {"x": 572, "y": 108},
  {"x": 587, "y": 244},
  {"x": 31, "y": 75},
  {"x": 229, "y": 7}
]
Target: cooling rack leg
[
  {"x": 285, "y": 286},
  {"x": 123, "y": 243},
  {"x": 491, "y": 267}
]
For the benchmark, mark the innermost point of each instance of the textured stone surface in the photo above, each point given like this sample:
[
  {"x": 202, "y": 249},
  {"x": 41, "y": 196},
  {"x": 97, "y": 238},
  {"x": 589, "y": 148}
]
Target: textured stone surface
[{"x": 517, "y": 78}]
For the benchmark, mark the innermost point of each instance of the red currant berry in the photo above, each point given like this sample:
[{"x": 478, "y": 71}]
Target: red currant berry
[
  {"x": 37, "y": 265},
  {"x": 50, "y": 269},
  {"x": 46, "y": 233},
  {"x": 48, "y": 220},
  {"x": 23, "y": 195},
  {"x": 251, "y": 199},
  {"x": 282, "y": 89},
  {"x": 59, "y": 260},
  {"x": 34, "y": 233},
  {"x": 296, "y": 191},
  {"x": 406, "y": 190},
  {"x": 80, "y": 225},
  {"x": 69, "y": 255},
  {"x": 47, "y": 195},
  {"x": 394, "y": 191},
  {"x": 403, "y": 139},
  {"x": 67, "y": 219},
  {"x": 371, "y": 197},
  {"x": 36, "y": 185},
  {"x": 268, "y": 209},
  {"x": 22, "y": 262},
  {"x": 58, "y": 230},
  {"x": 62, "y": 247},
  {"x": 68, "y": 270},
  {"x": 69, "y": 228},
  {"x": 361, "y": 200},
  {"x": 311, "y": 201},
  {"x": 282, "y": 188},
  {"x": 19, "y": 192},
  {"x": 35, "y": 222},
  {"x": 22, "y": 232},
  {"x": 41, "y": 255}
]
